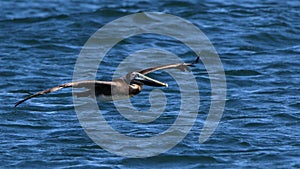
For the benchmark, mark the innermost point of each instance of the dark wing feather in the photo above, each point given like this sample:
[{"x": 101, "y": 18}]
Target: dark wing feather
[
  {"x": 180, "y": 66},
  {"x": 81, "y": 84}
]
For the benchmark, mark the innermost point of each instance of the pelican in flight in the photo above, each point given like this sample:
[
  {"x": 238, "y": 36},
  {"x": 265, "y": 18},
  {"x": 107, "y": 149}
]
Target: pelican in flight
[{"x": 120, "y": 88}]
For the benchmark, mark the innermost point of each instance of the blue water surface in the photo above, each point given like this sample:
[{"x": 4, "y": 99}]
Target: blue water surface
[{"x": 259, "y": 46}]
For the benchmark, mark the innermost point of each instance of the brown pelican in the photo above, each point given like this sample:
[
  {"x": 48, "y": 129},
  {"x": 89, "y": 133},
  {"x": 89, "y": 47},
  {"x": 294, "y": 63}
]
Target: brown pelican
[{"x": 121, "y": 88}]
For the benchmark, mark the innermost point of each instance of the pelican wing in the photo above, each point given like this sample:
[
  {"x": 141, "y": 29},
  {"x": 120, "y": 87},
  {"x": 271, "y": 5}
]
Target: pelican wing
[
  {"x": 180, "y": 66},
  {"x": 104, "y": 85}
]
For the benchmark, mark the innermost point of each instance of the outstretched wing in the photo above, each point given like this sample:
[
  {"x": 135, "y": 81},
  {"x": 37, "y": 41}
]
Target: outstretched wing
[
  {"x": 106, "y": 86},
  {"x": 180, "y": 66}
]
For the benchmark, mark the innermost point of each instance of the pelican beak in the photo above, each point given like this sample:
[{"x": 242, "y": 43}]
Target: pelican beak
[{"x": 140, "y": 78}]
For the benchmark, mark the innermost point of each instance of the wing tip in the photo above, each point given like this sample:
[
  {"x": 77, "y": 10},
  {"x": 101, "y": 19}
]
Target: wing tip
[
  {"x": 196, "y": 61},
  {"x": 18, "y": 103}
]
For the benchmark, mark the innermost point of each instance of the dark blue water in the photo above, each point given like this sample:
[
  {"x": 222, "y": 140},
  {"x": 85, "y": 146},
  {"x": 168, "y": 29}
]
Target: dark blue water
[{"x": 259, "y": 46}]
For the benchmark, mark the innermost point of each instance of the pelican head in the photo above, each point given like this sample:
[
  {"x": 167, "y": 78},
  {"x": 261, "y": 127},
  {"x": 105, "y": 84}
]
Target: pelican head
[{"x": 140, "y": 79}]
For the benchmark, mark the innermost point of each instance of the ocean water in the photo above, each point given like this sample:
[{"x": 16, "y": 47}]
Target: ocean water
[{"x": 258, "y": 43}]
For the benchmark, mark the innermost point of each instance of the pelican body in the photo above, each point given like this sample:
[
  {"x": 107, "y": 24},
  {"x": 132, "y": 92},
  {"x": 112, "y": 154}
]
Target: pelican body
[{"x": 120, "y": 88}]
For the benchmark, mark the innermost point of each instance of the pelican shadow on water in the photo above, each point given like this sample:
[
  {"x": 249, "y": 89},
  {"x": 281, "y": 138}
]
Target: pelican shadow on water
[{"x": 120, "y": 88}]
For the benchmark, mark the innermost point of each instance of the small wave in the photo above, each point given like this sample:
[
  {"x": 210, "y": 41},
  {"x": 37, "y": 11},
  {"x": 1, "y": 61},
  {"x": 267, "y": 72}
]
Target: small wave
[
  {"x": 295, "y": 105},
  {"x": 242, "y": 72},
  {"x": 286, "y": 116},
  {"x": 256, "y": 124},
  {"x": 28, "y": 20}
]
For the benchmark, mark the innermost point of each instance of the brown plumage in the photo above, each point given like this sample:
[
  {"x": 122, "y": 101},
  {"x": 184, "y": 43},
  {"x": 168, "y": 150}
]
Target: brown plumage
[{"x": 121, "y": 88}]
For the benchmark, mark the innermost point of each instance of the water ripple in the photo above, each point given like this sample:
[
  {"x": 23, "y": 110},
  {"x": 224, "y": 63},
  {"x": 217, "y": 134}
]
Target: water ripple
[{"x": 258, "y": 43}]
